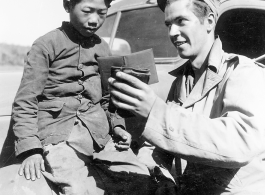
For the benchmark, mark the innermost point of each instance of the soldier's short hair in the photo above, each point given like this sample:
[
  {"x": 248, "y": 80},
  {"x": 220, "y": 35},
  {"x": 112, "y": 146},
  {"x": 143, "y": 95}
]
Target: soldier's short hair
[{"x": 201, "y": 8}]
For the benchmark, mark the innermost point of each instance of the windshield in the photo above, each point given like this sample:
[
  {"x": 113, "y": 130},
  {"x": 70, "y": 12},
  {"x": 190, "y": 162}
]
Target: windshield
[
  {"x": 143, "y": 29},
  {"x": 106, "y": 28}
]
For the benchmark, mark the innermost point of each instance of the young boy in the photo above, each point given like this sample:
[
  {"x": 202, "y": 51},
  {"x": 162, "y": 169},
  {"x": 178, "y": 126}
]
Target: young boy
[{"x": 58, "y": 111}]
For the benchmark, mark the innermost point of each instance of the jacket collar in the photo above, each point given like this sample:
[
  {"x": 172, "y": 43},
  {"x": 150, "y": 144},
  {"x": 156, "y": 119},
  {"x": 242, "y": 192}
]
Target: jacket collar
[
  {"x": 77, "y": 38},
  {"x": 209, "y": 79}
]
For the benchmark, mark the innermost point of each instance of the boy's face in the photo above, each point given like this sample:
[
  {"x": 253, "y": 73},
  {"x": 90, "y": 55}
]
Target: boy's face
[
  {"x": 186, "y": 31},
  {"x": 87, "y": 16}
]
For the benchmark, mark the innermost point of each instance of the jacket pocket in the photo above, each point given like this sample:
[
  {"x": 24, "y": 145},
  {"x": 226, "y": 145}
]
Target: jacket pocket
[
  {"x": 53, "y": 106},
  {"x": 49, "y": 117}
]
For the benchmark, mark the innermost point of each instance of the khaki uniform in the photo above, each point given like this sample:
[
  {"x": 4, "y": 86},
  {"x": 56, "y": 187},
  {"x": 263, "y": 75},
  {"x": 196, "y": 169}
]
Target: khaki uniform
[{"x": 218, "y": 127}]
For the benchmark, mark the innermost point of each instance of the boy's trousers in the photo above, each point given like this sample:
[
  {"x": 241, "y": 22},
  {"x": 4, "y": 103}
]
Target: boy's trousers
[{"x": 72, "y": 165}]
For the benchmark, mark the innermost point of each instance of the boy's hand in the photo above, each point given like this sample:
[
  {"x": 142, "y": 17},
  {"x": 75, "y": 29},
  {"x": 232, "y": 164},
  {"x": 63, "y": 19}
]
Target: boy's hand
[
  {"x": 122, "y": 138},
  {"x": 32, "y": 167}
]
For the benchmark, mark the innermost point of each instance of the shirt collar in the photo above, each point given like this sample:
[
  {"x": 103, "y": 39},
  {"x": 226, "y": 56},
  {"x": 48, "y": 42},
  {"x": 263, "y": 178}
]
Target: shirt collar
[
  {"x": 76, "y": 37},
  {"x": 216, "y": 56}
]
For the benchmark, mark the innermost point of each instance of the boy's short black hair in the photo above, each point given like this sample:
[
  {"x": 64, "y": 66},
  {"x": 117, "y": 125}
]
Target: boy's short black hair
[{"x": 74, "y": 2}]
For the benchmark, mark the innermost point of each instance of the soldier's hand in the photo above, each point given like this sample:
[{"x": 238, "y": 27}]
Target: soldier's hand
[
  {"x": 129, "y": 93},
  {"x": 32, "y": 166}
]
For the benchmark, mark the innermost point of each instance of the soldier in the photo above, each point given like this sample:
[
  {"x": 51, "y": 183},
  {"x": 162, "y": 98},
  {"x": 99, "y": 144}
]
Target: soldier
[{"x": 214, "y": 114}]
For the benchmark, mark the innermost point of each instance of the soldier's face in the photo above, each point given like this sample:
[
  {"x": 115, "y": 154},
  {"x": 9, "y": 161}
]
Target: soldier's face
[{"x": 186, "y": 31}]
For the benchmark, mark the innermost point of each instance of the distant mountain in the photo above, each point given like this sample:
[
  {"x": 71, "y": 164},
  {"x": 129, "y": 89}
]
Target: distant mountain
[{"x": 12, "y": 54}]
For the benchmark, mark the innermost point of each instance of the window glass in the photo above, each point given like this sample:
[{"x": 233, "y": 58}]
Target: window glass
[
  {"x": 106, "y": 28},
  {"x": 242, "y": 32},
  {"x": 145, "y": 28}
]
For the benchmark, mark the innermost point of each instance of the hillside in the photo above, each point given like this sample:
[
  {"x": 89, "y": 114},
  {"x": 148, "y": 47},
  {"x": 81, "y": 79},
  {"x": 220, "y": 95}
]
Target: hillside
[{"x": 12, "y": 55}]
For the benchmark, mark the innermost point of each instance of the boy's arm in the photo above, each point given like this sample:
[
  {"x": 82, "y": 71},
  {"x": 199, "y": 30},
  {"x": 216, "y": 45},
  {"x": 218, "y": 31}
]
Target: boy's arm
[
  {"x": 114, "y": 119},
  {"x": 25, "y": 107},
  {"x": 117, "y": 123},
  {"x": 121, "y": 137}
]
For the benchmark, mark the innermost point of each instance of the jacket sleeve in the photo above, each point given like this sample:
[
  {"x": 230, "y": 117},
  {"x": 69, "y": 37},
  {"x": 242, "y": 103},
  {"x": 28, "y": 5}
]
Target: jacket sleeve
[
  {"x": 230, "y": 140},
  {"x": 113, "y": 118},
  {"x": 25, "y": 107},
  {"x": 156, "y": 159}
]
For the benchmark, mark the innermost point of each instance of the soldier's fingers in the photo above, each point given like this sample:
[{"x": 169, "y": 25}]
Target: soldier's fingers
[
  {"x": 122, "y": 88},
  {"x": 121, "y": 104},
  {"x": 131, "y": 80}
]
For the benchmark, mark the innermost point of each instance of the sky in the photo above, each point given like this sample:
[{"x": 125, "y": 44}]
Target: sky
[{"x": 23, "y": 21}]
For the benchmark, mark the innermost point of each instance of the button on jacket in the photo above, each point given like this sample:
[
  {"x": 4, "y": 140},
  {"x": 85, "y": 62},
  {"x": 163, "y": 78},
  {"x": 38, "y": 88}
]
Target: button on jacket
[
  {"x": 61, "y": 82},
  {"x": 218, "y": 127}
]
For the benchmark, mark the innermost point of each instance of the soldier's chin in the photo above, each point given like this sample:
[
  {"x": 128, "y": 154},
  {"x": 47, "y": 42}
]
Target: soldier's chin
[{"x": 183, "y": 55}]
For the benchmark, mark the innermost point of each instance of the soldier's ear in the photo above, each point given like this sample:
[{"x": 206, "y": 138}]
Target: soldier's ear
[
  {"x": 66, "y": 5},
  {"x": 210, "y": 22}
]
